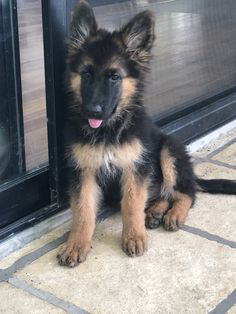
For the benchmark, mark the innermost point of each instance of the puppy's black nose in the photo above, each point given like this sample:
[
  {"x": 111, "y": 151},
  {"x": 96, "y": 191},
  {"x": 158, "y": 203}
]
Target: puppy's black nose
[{"x": 94, "y": 109}]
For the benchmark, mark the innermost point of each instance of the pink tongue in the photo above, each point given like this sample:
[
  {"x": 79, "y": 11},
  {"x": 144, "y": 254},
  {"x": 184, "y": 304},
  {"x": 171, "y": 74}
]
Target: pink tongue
[{"x": 94, "y": 123}]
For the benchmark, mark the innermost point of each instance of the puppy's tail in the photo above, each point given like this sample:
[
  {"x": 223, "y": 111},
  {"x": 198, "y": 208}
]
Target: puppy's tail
[{"x": 216, "y": 186}]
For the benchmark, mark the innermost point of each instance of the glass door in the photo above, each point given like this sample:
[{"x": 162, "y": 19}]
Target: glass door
[{"x": 28, "y": 179}]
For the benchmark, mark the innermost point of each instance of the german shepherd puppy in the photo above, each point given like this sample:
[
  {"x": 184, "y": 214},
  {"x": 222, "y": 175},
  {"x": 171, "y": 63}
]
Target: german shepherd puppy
[{"x": 113, "y": 147}]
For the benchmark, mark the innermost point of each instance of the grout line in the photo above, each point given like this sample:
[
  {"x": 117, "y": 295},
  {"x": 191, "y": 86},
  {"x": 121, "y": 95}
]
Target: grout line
[
  {"x": 218, "y": 150},
  {"x": 46, "y": 296},
  {"x": 6, "y": 273},
  {"x": 225, "y": 305},
  {"x": 209, "y": 236},
  {"x": 25, "y": 260},
  {"x": 17, "y": 241},
  {"x": 223, "y": 164},
  {"x": 31, "y": 257},
  {"x": 199, "y": 160}
]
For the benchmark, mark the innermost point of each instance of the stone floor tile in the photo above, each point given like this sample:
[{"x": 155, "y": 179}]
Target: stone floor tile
[
  {"x": 228, "y": 155},
  {"x": 180, "y": 273},
  {"x": 217, "y": 143},
  {"x": 16, "y": 301},
  {"x": 215, "y": 214},
  {"x": 210, "y": 171},
  {"x": 34, "y": 245},
  {"x": 232, "y": 310}
]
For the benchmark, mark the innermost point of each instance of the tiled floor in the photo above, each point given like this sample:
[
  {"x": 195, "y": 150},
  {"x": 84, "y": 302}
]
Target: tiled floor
[{"x": 190, "y": 271}]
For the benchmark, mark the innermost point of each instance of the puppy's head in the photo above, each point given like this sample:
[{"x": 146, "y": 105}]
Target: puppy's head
[{"x": 106, "y": 68}]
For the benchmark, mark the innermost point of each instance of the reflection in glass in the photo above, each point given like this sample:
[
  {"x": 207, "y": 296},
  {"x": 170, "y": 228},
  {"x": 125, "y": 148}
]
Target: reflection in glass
[{"x": 33, "y": 82}]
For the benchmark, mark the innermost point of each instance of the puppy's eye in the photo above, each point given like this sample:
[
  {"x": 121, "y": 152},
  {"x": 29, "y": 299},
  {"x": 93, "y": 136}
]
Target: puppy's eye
[
  {"x": 115, "y": 77},
  {"x": 87, "y": 75}
]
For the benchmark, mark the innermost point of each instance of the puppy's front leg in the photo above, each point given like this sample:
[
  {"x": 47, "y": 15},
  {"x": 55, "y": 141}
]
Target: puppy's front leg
[
  {"x": 135, "y": 193},
  {"x": 84, "y": 202}
]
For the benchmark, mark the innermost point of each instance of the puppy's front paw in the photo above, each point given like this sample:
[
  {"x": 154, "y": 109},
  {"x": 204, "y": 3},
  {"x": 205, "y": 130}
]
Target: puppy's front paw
[
  {"x": 153, "y": 221},
  {"x": 72, "y": 253},
  {"x": 173, "y": 220},
  {"x": 134, "y": 243}
]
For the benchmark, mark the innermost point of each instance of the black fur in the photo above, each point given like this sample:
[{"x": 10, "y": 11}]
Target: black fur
[
  {"x": 131, "y": 46},
  {"x": 105, "y": 115},
  {"x": 216, "y": 186}
]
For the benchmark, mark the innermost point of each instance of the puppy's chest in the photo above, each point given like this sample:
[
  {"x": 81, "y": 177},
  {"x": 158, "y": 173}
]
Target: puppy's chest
[{"x": 107, "y": 157}]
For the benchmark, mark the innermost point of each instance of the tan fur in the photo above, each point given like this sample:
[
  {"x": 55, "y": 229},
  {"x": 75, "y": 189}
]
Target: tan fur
[
  {"x": 75, "y": 84},
  {"x": 155, "y": 213},
  {"x": 75, "y": 78},
  {"x": 87, "y": 61},
  {"x": 128, "y": 90},
  {"x": 96, "y": 156},
  {"x": 179, "y": 211},
  {"x": 169, "y": 173},
  {"x": 158, "y": 208},
  {"x": 135, "y": 194},
  {"x": 116, "y": 64},
  {"x": 84, "y": 207}
]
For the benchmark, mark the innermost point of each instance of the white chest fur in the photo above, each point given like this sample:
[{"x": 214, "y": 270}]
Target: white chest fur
[{"x": 96, "y": 156}]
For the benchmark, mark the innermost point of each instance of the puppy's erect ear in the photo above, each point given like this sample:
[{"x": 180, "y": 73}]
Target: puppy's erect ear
[
  {"x": 83, "y": 24},
  {"x": 138, "y": 36}
]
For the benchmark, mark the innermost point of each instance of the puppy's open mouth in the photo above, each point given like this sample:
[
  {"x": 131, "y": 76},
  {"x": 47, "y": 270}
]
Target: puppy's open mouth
[{"x": 94, "y": 123}]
